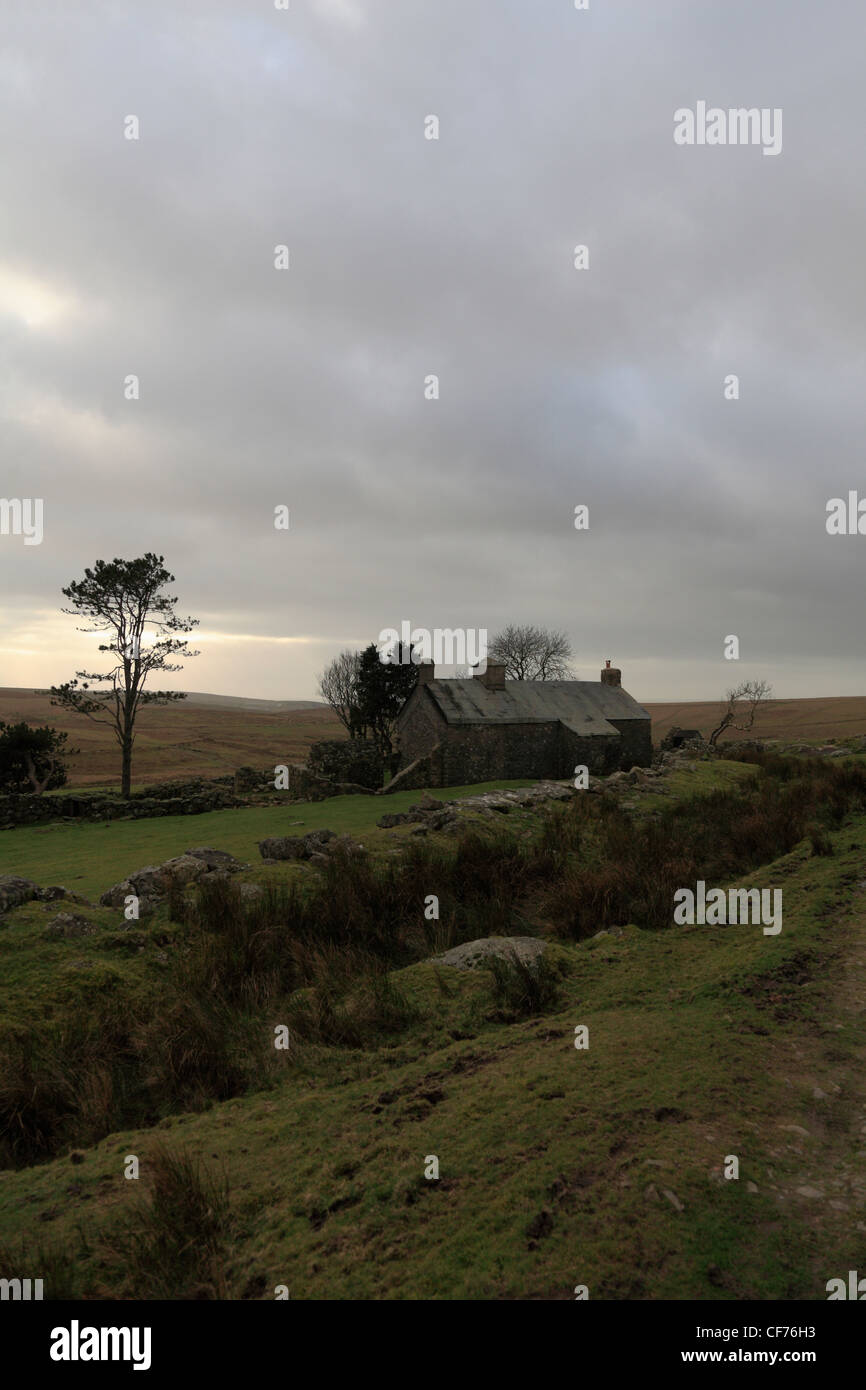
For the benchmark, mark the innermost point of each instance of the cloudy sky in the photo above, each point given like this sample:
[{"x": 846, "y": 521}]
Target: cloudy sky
[{"x": 408, "y": 257}]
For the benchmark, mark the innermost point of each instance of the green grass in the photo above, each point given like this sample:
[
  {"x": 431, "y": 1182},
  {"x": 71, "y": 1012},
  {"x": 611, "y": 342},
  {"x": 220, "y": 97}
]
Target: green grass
[
  {"x": 553, "y": 1162},
  {"x": 698, "y": 778},
  {"x": 89, "y": 856}
]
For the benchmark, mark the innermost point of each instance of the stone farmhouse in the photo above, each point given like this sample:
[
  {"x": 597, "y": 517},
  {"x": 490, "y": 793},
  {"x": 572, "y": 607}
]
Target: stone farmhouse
[{"x": 458, "y": 732}]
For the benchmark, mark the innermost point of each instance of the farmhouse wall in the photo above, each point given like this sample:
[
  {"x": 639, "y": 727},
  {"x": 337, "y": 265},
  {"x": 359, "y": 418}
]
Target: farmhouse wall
[
  {"x": 600, "y": 753},
  {"x": 484, "y": 752},
  {"x": 421, "y": 728},
  {"x": 636, "y": 742}
]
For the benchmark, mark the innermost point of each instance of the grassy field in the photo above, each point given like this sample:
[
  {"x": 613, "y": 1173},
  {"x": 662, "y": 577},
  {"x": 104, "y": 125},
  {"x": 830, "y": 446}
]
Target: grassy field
[
  {"x": 89, "y": 857},
  {"x": 557, "y": 1166},
  {"x": 813, "y": 721},
  {"x": 209, "y": 736},
  {"x": 187, "y": 739}
]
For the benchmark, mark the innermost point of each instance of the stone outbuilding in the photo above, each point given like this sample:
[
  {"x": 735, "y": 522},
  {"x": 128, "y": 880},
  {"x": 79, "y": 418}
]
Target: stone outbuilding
[{"x": 459, "y": 732}]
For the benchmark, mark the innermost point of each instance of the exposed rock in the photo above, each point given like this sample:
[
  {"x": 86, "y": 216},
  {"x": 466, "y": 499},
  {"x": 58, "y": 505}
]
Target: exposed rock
[
  {"x": 344, "y": 844},
  {"x": 14, "y": 891},
  {"x": 66, "y": 924},
  {"x": 315, "y": 838},
  {"x": 474, "y": 953},
  {"x": 617, "y": 779},
  {"x": 428, "y": 803},
  {"x": 151, "y": 884},
  {"x": 51, "y": 895},
  {"x": 282, "y": 847},
  {"x": 394, "y": 818},
  {"x": 214, "y": 858},
  {"x": 287, "y": 847}
]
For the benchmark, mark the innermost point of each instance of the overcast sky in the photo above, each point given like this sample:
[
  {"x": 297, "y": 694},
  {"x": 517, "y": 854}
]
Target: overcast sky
[{"x": 409, "y": 257}]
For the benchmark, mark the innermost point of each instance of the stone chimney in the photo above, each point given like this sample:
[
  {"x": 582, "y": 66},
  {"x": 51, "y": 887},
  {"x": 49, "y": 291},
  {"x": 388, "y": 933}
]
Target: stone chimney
[
  {"x": 494, "y": 676},
  {"x": 610, "y": 675},
  {"x": 425, "y": 672}
]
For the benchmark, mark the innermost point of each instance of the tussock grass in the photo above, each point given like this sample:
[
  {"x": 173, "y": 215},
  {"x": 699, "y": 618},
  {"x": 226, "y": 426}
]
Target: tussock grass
[
  {"x": 173, "y": 1243},
  {"x": 633, "y": 865},
  {"x": 521, "y": 988}
]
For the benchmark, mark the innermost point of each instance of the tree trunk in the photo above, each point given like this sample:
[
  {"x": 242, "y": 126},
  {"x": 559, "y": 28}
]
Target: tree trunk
[
  {"x": 714, "y": 736},
  {"x": 126, "y": 774}
]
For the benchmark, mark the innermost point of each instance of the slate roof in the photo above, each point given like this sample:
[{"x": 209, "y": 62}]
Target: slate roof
[{"x": 585, "y": 706}]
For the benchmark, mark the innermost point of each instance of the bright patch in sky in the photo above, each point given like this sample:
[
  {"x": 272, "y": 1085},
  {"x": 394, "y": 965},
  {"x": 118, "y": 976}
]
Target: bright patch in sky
[{"x": 32, "y": 301}]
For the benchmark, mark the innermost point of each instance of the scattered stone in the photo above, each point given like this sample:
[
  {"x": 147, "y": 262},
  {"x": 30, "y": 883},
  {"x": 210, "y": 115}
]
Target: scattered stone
[
  {"x": 317, "y": 838},
  {"x": 278, "y": 848},
  {"x": 473, "y": 953},
  {"x": 151, "y": 884},
  {"x": 14, "y": 891},
  {"x": 617, "y": 779},
  {"x": 428, "y": 803},
  {"x": 796, "y": 1129},
  {"x": 213, "y": 858},
  {"x": 751, "y": 1187},
  {"x": 287, "y": 847},
  {"x": 344, "y": 844},
  {"x": 66, "y": 924},
  {"x": 810, "y": 1192}
]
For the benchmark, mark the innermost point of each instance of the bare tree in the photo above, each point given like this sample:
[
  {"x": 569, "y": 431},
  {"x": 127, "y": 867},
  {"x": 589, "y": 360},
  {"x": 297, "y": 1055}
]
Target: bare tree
[
  {"x": 531, "y": 653},
  {"x": 338, "y": 687},
  {"x": 743, "y": 703}
]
